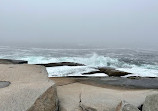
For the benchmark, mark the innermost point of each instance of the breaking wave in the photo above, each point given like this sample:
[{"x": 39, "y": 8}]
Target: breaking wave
[
  {"x": 94, "y": 60},
  {"x": 136, "y": 62}
]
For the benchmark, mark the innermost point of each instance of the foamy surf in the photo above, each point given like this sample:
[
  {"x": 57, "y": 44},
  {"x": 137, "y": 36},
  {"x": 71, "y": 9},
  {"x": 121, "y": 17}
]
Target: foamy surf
[
  {"x": 140, "y": 63},
  {"x": 68, "y": 71},
  {"x": 94, "y": 61}
]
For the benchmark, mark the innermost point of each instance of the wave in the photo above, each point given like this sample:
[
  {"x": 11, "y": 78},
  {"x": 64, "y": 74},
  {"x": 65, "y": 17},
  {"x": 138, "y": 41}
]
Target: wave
[
  {"x": 141, "y": 63},
  {"x": 92, "y": 61}
]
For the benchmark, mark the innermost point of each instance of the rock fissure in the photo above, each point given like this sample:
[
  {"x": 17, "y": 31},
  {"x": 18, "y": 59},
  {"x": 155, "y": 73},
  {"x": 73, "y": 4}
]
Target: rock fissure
[{"x": 83, "y": 107}]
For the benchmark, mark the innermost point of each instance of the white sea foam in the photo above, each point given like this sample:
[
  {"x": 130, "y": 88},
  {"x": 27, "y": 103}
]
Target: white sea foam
[
  {"x": 68, "y": 71},
  {"x": 97, "y": 74},
  {"x": 140, "y": 71},
  {"x": 91, "y": 60}
]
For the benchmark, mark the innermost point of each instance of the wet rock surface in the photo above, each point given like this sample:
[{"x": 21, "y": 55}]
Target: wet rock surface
[
  {"x": 9, "y": 61},
  {"x": 109, "y": 71},
  {"x": 4, "y": 84},
  {"x": 143, "y": 83},
  {"x": 61, "y": 64},
  {"x": 106, "y": 70},
  {"x": 92, "y": 72},
  {"x": 134, "y": 82}
]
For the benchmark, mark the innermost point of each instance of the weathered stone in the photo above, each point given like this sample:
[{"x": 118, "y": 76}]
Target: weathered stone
[
  {"x": 125, "y": 106},
  {"x": 73, "y": 96},
  {"x": 30, "y": 89},
  {"x": 61, "y": 64},
  {"x": 151, "y": 103},
  {"x": 9, "y": 61},
  {"x": 46, "y": 102},
  {"x": 86, "y": 108}
]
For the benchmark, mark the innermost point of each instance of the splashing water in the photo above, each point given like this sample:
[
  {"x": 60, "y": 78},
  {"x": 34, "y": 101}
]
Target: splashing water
[{"x": 140, "y": 63}]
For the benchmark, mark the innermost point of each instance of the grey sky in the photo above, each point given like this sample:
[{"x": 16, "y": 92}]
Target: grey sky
[{"x": 105, "y": 23}]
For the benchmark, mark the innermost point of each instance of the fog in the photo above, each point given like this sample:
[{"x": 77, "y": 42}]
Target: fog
[{"x": 79, "y": 23}]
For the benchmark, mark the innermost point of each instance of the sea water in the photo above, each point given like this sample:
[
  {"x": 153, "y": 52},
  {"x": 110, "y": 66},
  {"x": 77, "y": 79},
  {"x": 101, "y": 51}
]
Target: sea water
[{"x": 136, "y": 61}]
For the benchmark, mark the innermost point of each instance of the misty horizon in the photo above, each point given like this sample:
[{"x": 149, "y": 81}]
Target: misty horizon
[{"x": 79, "y": 24}]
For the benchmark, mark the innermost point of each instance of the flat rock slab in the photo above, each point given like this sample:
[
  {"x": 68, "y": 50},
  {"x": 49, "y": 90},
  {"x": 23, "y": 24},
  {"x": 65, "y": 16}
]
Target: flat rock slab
[
  {"x": 4, "y": 84},
  {"x": 135, "y": 83},
  {"x": 9, "y": 61},
  {"x": 61, "y": 64},
  {"x": 30, "y": 89},
  {"x": 77, "y": 96},
  {"x": 89, "y": 94},
  {"x": 144, "y": 83}
]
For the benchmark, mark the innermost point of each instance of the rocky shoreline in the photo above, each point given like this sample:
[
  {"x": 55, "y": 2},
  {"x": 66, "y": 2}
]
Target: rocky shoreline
[
  {"x": 83, "y": 94},
  {"x": 25, "y": 87},
  {"x": 9, "y": 61}
]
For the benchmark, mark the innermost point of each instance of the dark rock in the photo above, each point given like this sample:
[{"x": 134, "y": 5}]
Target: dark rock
[
  {"x": 61, "y": 64},
  {"x": 106, "y": 69},
  {"x": 124, "y": 106},
  {"x": 117, "y": 73},
  {"x": 151, "y": 103},
  {"x": 140, "y": 107},
  {"x": 142, "y": 83},
  {"x": 9, "y": 61},
  {"x": 93, "y": 72},
  {"x": 4, "y": 84},
  {"x": 112, "y": 72},
  {"x": 109, "y": 71},
  {"x": 134, "y": 77}
]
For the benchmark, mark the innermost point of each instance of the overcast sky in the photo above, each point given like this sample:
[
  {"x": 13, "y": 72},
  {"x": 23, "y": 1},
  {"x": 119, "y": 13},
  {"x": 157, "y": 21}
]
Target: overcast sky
[{"x": 102, "y": 23}]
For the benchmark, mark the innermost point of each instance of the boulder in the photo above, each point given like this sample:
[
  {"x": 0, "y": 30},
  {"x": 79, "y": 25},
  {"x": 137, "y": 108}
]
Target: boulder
[
  {"x": 151, "y": 103},
  {"x": 61, "y": 64},
  {"x": 125, "y": 106},
  {"x": 76, "y": 96},
  {"x": 30, "y": 89},
  {"x": 9, "y": 61},
  {"x": 46, "y": 102}
]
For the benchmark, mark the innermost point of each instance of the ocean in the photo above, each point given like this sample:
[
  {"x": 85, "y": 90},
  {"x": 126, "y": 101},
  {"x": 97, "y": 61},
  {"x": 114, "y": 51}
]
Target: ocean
[{"x": 139, "y": 62}]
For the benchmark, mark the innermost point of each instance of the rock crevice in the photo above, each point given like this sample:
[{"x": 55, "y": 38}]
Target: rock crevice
[
  {"x": 48, "y": 101},
  {"x": 83, "y": 107}
]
